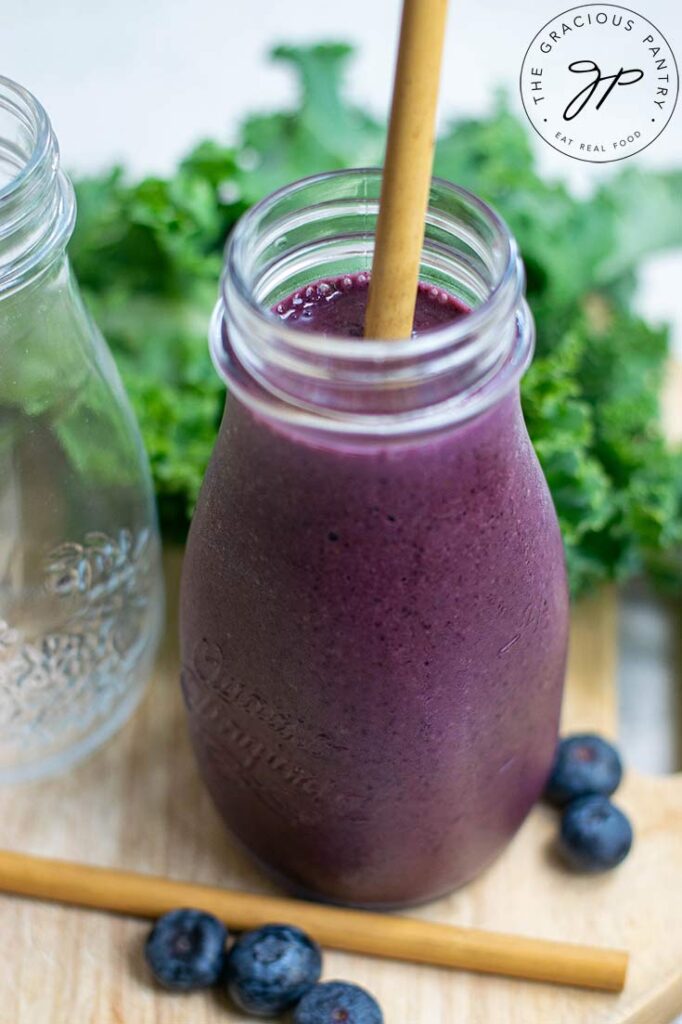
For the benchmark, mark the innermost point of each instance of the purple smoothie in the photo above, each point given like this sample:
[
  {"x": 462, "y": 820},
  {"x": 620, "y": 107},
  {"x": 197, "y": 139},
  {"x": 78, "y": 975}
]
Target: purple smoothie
[{"x": 373, "y": 638}]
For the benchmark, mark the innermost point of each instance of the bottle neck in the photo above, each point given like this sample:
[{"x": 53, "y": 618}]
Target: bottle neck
[
  {"x": 37, "y": 205},
  {"x": 324, "y": 227}
]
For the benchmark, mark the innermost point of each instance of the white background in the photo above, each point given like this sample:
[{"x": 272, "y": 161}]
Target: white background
[
  {"x": 141, "y": 79},
  {"x": 138, "y": 81}
]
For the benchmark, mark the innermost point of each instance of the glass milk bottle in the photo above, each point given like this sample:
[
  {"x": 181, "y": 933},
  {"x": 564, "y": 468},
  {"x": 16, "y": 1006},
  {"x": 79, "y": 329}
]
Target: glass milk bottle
[
  {"x": 374, "y": 608},
  {"x": 80, "y": 578}
]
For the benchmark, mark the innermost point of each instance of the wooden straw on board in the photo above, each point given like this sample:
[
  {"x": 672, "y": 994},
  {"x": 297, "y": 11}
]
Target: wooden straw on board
[
  {"x": 407, "y": 171},
  {"x": 357, "y": 931}
]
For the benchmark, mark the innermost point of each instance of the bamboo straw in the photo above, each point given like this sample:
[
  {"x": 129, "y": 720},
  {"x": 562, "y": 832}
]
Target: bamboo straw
[
  {"x": 407, "y": 171},
  {"x": 384, "y": 935}
]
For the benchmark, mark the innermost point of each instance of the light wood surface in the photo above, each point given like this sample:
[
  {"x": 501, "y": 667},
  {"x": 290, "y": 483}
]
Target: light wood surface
[
  {"x": 407, "y": 171},
  {"x": 138, "y": 804}
]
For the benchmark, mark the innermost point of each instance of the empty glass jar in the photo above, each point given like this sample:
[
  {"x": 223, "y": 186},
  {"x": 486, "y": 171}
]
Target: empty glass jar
[{"x": 80, "y": 577}]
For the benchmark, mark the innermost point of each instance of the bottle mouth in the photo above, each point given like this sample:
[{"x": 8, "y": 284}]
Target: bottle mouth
[
  {"x": 37, "y": 206},
  {"x": 323, "y": 227}
]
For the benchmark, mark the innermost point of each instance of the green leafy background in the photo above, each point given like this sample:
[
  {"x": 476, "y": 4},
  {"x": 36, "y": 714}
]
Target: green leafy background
[{"x": 148, "y": 255}]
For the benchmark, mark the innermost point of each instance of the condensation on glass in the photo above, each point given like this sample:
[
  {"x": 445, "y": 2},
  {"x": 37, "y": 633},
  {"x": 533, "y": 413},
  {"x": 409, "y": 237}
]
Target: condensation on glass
[{"x": 81, "y": 594}]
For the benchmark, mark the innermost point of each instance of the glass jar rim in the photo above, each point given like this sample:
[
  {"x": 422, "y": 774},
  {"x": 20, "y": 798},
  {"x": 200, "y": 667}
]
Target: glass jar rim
[
  {"x": 27, "y": 106},
  {"x": 370, "y": 349},
  {"x": 37, "y": 203},
  {"x": 324, "y": 226}
]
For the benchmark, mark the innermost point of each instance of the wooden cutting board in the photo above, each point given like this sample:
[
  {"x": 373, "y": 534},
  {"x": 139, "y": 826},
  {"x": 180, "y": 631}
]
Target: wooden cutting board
[{"x": 139, "y": 804}]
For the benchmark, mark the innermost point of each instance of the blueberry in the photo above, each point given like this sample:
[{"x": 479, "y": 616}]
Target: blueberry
[
  {"x": 595, "y": 835},
  {"x": 186, "y": 950},
  {"x": 583, "y": 765},
  {"x": 269, "y": 969},
  {"x": 335, "y": 1002}
]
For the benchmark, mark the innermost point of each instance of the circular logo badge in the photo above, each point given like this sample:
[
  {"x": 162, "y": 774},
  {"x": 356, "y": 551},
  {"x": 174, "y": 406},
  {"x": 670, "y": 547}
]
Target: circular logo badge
[{"x": 599, "y": 82}]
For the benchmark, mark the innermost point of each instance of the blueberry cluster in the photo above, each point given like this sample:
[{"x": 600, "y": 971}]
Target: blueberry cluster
[
  {"x": 267, "y": 972},
  {"x": 594, "y": 835}
]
